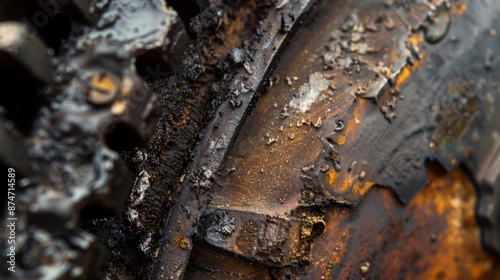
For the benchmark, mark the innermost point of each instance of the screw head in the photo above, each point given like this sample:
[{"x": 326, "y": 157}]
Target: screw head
[{"x": 102, "y": 88}]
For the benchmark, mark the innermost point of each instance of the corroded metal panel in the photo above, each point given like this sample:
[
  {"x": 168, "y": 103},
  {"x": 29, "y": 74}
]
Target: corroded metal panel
[{"x": 289, "y": 139}]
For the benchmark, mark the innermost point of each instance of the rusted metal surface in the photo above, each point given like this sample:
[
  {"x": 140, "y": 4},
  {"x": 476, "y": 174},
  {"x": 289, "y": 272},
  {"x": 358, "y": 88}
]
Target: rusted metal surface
[
  {"x": 272, "y": 240},
  {"x": 331, "y": 129},
  {"x": 286, "y": 148},
  {"x": 174, "y": 253},
  {"x": 434, "y": 236}
]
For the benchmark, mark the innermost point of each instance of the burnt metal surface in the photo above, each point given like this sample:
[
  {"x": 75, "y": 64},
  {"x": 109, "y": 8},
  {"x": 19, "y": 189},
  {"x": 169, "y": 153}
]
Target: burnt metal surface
[
  {"x": 87, "y": 103},
  {"x": 221, "y": 129},
  {"x": 272, "y": 240},
  {"x": 435, "y": 235},
  {"x": 359, "y": 75},
  {"x": 376, "y": 93},
  {"x": 242, "y": 139},
  {"x": 364, "y": 138}
]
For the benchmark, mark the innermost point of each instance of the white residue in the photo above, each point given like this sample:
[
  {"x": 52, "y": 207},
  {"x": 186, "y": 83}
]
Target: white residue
[{"x": 309, "y": 92}]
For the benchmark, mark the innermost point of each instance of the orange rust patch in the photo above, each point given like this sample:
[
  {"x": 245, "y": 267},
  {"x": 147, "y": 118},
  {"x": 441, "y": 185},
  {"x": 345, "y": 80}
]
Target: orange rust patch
[
  {"x": 182, "y": 242},
  {"x": 179, "y": 239},
  {"x": 459, "y": 9},
  {"x": 332, "y": 176},
  {"x": 341, "y": 140},
  {"x": 435, "y": 236},
  {"x": 403, "y": 76}
]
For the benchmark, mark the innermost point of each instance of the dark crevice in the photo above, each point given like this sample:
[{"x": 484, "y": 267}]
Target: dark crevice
[
  {"x": 317, "y": 229},
  {"x": 121, "y": 137},
  {"x": 19, "y": 98},
  {"x": 187, "y": 9},
  {"x": 151, "y": 66},
  {"x": 56, "y": 31}
]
